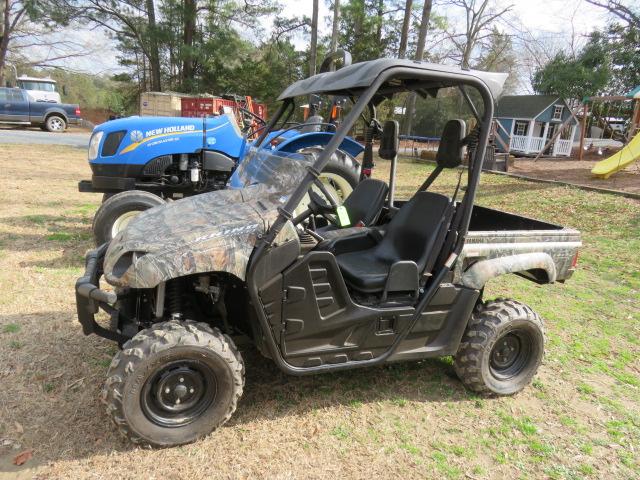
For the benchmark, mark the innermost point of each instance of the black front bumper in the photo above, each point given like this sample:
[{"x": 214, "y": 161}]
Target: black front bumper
[{"x": 90, "y": 299}]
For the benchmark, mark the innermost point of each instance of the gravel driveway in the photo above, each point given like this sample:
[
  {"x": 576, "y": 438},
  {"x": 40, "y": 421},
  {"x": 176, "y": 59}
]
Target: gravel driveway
[{"x": 73, "y": 137}]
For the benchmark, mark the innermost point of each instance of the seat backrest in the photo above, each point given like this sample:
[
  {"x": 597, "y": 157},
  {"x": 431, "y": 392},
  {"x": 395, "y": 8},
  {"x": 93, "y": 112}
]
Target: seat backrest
[
  {"x": 417, "y": 230},
  {"x": 365, "y": 203}
]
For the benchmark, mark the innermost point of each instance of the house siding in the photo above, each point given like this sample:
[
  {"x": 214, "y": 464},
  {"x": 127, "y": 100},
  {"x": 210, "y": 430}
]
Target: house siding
[
  {"x": 506, "y": 123},
  {"x": 547, "y": 115}
]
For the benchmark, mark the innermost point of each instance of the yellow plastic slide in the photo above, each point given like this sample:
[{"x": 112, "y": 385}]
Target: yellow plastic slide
[{"x": 618, "y": 161}]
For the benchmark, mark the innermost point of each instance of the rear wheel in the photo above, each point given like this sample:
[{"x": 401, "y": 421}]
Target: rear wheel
[
  {"x": 501, "y": 349},
  {"x": 173, "y": 384},
  {"x": 117, "y": 211},
  {"x": 55, "y": 124}
]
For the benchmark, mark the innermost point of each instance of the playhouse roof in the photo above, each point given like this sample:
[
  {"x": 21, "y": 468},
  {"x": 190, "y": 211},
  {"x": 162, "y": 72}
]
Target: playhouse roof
[
  {"x": 635, "y": 93},
  {"x": 524, "y": 106}
]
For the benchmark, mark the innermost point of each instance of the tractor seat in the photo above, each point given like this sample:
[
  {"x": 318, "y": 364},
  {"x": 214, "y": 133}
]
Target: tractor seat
[
  {"x": 415, "y": 233},
  {"x": 364, "y": 204}
]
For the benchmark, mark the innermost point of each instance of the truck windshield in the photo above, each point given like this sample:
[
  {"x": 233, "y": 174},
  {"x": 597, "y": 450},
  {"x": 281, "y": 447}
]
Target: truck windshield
[
  {"x": 41, "y": 86},
  {"x": 280, "y": 171}
]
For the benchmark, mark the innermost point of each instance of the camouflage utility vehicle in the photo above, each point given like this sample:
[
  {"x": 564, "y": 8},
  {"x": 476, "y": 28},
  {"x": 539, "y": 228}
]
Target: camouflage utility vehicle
[{"x": 333, "y": 287}]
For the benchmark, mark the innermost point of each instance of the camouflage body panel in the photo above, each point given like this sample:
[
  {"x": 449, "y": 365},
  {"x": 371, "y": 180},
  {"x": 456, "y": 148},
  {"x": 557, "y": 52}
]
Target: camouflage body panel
[
  {"x": 488, "y": 254},
  {"x": 215, "y": 231}
]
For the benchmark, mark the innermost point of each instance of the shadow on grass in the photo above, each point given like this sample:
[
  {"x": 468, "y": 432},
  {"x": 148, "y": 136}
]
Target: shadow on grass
[{"x": 53, "y": 377}]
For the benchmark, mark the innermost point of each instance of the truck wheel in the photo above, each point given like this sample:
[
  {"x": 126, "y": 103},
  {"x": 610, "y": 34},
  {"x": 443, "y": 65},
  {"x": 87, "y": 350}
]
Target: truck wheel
[
  {"x": 501, "y": 349},
  {"x": 173, "y": 383},
  {"x": 117, "y": 211},
  {"x": 55, "y": 124}
]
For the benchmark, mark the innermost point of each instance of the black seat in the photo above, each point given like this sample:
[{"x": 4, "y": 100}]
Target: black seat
[
  {"x": 415, "y": 233},
  {"x": 365, "y": 203}
]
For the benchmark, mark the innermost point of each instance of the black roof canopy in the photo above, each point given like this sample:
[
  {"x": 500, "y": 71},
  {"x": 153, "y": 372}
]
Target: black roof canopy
[{"x": 357, "y": 77}]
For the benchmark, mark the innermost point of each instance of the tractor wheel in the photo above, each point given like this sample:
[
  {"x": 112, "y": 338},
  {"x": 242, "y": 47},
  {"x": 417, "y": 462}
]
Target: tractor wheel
[
  {"x": 117, "y": 211},
  {"x": 55, "y": 124},
  {"x": 340, "y": 176},
  {"x": 173, "y": 383},
  {"x": 107, "y": 196},
  {"x": 501, "y": 349}
]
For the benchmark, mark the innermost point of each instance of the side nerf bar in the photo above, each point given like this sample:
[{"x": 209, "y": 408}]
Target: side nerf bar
[{"x": 90, "y": 299}]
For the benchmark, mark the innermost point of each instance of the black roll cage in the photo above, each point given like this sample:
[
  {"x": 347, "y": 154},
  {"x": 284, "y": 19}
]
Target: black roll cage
[{"x": 285, "y": 213}]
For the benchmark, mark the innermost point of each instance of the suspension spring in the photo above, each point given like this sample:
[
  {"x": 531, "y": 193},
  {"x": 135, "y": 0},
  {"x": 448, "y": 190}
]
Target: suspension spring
[{"x": 175, "y": 304}]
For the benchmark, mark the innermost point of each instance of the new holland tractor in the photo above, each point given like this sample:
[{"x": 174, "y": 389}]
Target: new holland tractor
[{"x": 141, "y": 162}]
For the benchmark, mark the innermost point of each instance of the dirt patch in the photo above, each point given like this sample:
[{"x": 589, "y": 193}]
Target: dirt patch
[{"x": 578, "y": 172}]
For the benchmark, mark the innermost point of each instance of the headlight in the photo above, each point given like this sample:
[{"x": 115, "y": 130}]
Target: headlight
[{"x": 94, "y": 144}]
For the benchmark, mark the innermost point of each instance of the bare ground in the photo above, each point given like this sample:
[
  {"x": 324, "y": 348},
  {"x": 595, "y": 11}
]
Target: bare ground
[
  {"x": 579, "y": 419},
  {"x": 578, "y": 172}
]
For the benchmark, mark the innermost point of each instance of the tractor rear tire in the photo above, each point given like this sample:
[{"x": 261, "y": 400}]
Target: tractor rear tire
[
  {"x": 342, "y": 166},
  {"x": 116, "y": 212},
  {"x": 342, "y": 171},
  {"x": 173, "y": 383},
  {"x": 501, "y": 349}
]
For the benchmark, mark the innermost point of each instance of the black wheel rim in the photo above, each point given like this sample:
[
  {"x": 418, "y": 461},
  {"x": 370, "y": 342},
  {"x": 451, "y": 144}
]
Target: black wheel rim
[
  {"x": 511, "y": 354},
  {"x": 177, "y": 393}
]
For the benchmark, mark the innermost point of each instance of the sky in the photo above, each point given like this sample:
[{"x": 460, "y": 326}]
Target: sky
[{"x": 553, "y": 18}]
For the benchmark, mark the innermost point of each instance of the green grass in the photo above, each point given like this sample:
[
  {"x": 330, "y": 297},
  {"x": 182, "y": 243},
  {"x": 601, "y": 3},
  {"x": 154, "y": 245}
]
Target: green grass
[
  {"x": 592, "y": 321},
  {"x": 11, "y": 328}
]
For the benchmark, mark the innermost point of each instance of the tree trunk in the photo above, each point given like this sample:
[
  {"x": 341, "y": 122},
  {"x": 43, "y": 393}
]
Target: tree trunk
[
  {"x": 187, "y": 38},
  {"x": 313, "y": 48},
  {"x": 154, "y": 54},
  {"x": 5, "y": 35},
  {"x": 404, "y": 36},
  {"x": 380, "y": 13},
  {"x": 336, "y": 26},
  {"x": 422, "y": 37}
]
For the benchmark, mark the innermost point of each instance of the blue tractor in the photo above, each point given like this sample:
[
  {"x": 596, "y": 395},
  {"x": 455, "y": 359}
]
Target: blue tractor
[{"x": 141, "y": 162}]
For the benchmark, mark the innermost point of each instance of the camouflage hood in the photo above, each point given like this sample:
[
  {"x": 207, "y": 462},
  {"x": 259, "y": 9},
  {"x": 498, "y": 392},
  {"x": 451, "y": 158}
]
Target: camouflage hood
[{"x": 214, "y": 231}]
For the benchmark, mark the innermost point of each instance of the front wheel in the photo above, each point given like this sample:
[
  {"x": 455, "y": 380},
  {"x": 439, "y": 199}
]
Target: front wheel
[
  {"x": 501, "y": 349},
  {"x": 117, "y": 211},
  {"x": 173, "y": 384},
  {"x": 55, "y": 124}
]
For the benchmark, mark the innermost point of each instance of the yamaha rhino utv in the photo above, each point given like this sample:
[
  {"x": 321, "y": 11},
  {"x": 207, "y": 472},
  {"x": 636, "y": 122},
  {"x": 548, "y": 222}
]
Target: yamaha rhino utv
[{"x": 334, "y": 287}]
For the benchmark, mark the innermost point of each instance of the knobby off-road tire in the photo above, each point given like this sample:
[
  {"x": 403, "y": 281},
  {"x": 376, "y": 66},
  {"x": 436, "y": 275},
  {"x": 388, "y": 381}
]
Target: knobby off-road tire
[
  {"x": 154, "y": 362},
  {"x": 501, "y": 349},
  {"x": 116, "y": 211}
]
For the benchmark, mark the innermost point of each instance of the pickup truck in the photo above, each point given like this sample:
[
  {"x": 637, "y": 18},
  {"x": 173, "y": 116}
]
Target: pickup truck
[{"x": 16, "y": 108}]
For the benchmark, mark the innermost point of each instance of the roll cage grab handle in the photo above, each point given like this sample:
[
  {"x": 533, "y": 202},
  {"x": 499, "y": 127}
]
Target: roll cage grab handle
[{"x": 284, "y": 213}]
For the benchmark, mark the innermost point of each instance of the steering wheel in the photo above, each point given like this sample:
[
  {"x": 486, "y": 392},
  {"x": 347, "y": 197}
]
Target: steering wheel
[
  {"x": 257, "y": 118},
  {"x": 318, "y": 205}
]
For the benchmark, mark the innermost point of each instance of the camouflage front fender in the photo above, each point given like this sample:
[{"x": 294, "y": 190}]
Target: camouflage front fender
[
  {"x": 481, "y": 272},
  {"x": 212, "y": 232}
]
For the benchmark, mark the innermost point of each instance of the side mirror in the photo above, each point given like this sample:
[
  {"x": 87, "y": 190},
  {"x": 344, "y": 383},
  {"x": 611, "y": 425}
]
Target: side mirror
[
  {"x": 389, "y": 141},
  {"x": 64, "y": 89},
  {"x": 451, "y": 148}
]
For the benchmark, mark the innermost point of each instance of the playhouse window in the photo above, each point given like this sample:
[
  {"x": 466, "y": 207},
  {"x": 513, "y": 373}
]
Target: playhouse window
[
  {"x": 557, "y": 112},
  {"x": 521, "y": 128}
]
